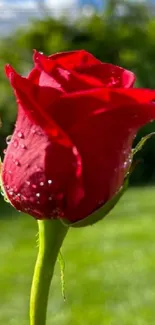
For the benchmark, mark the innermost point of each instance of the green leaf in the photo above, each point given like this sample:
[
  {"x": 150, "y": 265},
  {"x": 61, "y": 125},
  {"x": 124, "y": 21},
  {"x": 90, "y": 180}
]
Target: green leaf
[{"x": 141, "y": 143}]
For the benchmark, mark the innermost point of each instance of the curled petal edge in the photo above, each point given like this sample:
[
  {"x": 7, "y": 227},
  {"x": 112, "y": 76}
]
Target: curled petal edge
[{"x": 36, "y": 114}]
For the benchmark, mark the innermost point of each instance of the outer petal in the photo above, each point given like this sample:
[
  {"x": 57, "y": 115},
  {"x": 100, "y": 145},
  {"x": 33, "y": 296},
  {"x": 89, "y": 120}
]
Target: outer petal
[
  {"x": 36, "y": 101},
  {"x": 57, "y": 114},
  {"x": 41, "y": 171},
  {"x": 104, "y": 141},
  {"x": 74, "y": 59},
  {"x": 86, "y": 74},
  {"x": 86, "y": 64},
  {"x": 79, "y": 105},
  {"x": 110, "y": 75},
  {"x": 39, "y": 175},
  {"x": 67, "y": 79}
]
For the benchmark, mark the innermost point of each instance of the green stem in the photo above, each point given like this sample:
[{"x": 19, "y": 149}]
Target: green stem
[{"x": 51, "y": 236}]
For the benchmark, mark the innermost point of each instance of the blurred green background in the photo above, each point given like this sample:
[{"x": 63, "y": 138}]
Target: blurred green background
[{"x": 110, "y": 267}]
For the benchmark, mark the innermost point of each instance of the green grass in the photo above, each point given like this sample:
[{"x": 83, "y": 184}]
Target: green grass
[{"x": 110, "y": 267}]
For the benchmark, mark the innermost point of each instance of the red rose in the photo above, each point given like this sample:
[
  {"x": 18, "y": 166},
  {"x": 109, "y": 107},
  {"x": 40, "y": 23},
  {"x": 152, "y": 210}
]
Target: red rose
[{"x": 70, "y": 150}]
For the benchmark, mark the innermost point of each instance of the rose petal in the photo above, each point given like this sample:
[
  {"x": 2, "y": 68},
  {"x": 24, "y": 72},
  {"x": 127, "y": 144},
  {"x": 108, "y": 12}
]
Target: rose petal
[
  {"x": 66, "y": 79},
  {"x": 85, "y": 63},
  {"x": 39, "y": 174},
  {"x": 34, "y": 76},
  {"x": 35, "y": 101},
  {"x": 104, "y": 141},
  {"x": 74, "y": 59},
  {"x": 110, "y": 75},
  {"x": 79, "y": 105}
]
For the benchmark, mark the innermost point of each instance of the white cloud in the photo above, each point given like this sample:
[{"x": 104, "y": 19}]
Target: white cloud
[
  {"x": 60, "y": 4},
  {"x": 16, "y": 14}
]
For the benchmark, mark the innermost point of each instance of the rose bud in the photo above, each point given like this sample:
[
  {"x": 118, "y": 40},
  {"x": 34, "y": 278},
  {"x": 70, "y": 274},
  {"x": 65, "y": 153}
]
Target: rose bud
[{"x": 71, "y": 147}]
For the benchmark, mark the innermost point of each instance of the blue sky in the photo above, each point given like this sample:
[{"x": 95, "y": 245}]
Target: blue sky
[{"x": 16, "y": 13}]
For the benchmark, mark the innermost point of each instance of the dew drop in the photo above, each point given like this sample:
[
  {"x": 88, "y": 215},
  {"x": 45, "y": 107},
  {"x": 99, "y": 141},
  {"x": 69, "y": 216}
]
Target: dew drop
[
  {"x": 38, "y": 169},
  {"x": 49, "y": 181},
  {"x": 41, "y": 183},
  {"x": 11, "y": 193},
  {"x": 15, "y": 143},
  {"x": 50, "y": 198},
  {"x": 125, "y": 164},
  {"x": 8, "y": 139},
  {"x": 4, "y": 151},
  {"x": 33, "y": 131},
  {"x": 23, "y": 146},
  {"x": 38, "y": 194},
  {"x": 27, "y": 209},
  {"x": 34, "y": 185},
  {"x": 17, "y": 163},
  {"x": 20, "y": 134},
  {"x": 28, "y": 182}
]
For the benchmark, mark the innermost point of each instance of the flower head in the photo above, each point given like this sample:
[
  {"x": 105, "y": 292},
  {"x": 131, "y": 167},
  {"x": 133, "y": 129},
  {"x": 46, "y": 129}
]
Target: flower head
[{"x": 71, "y": 147}]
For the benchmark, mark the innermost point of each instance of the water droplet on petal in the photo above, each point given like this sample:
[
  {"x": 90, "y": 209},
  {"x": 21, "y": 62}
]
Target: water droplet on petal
[
  {"x": 8, "y": 139},
  {"x": 15, "y": 143},
  {"x": 28, "y": 182},
  {"x": 41, "y": 183},
  {"x": 50, "y": 198},
  {"x": 125, "y": 164},
  {"x": 20, "y": 134},
  {"x": 4, "y": 151},
  {"x": 17, "y": 163},
  {"x": 38, "y": 194},
  {"x": 23, "y": 146},
  {"x": 49, "y": 181},
  {"x": 33, "y": 131},
  {"x": 34, "y": 185}
]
